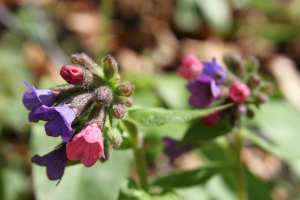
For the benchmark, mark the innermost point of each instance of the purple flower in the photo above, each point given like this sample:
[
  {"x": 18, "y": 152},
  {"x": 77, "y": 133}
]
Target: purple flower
[
  {"x": 214, "y": 70},
  {"x": 204, "y": 91},
  {"x": 35, "y": 99},
  {"x": 59, "y": 120},
  {"x": 55, "y": 163},
  {"x": 173, "y": 149}
]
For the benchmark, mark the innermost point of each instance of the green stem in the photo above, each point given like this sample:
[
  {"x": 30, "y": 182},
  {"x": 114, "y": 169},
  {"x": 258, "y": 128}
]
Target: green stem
[
  {"x": 138, "y": 154},
  {"x": 1, "y": 177},
  {"x": 240, "y": 181}
]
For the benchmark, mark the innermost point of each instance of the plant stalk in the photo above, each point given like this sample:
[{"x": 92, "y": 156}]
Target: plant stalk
[
  {"x": 138, "y": 154},
  {"x": 240, "y": 179}
]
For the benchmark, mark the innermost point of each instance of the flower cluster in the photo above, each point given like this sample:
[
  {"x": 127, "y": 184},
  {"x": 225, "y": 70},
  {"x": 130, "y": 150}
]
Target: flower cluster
[
  {"x": 243, "y": 86},
  {"x": 83, "y": 112},
  {"x": 240, "y": 85}
]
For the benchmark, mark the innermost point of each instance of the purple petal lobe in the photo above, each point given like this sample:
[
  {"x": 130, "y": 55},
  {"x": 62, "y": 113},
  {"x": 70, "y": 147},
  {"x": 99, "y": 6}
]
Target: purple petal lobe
[
  {"x": 36, "y": 98},
  {"x": 204, "y": 91},
  {"x": 59, "y": 120},
  {"x": 55, "y": 163},
  {"x": 215, "y": 71}
]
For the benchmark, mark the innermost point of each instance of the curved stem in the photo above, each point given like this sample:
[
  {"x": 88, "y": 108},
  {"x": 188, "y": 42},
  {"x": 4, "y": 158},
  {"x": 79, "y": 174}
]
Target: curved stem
[
  {"x": 240, "y": 181},
  {"x": 138, "y": 154}
]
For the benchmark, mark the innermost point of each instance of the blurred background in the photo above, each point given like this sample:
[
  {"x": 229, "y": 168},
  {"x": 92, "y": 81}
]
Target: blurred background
[{"x": 148, "y": 39}]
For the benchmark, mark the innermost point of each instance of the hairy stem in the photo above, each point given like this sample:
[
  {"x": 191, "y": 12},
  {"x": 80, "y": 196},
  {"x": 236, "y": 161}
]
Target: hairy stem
[{"x": 138, "y": 154}]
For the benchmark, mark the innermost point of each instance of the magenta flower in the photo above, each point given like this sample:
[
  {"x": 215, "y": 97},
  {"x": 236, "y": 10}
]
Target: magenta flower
[
  {"x": 173, "y": 149},
  {"x": 239, "y": 92},
  {"x": 214, "y": 70},
  {"x": 211, "y": 119},
  {"x": 59, "y": 120},
  {"x": 87, "y": 145},
  {"x": 204, "y": 91},
  {"x": 190, "y": 68},
  {"x": 35, "y": 99},
  {"x": 72, "y": 74},
  {"x": 55, "y": 163}
]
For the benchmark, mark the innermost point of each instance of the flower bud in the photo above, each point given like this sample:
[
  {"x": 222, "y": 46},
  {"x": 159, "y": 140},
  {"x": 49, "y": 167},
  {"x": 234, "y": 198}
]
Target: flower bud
[
  {"x": 126, "y": 89},
  {"x": 250, "y": 114},
  {"x": 254, "y": 81},
  {"x": 239, "y": 92},
  {"x": 251, "y": 64},
  {"x": 261, "y": 97},
  {"x": 110, "y": 67},
  {"x": 82, "y": 60},
  {"x": 103, "y": 95},
  {"x": 211, "y": 119},
  {"x": 118, "y": 110},
  {"x": 115, "y": 138},
  {"x": 267, "y": 88},
  {"x": 190, "y": 68},
  {"x": 234, "y": 63},
  {"x": 72, "y": 74}
]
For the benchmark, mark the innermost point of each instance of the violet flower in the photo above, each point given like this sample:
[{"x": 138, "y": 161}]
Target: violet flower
[
  {"x": 55, "y": 163},
  {"x": 35, "y": 99},
  {"x": 59, "y": 120},
  {"x": 87, "y": 145},
  {"x": 204, "y": 91},
  {"x": 173, "y": 149},
  {"x": 214, "y": 70}
]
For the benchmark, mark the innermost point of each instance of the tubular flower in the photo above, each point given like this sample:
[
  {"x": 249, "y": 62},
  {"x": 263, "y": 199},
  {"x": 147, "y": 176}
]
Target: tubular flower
[
  {"x": 87, "y": 145},
  {"x": 211, "y": 119},
  {"x": 239, "y": 92},
  {"x": 214, "y": 70},
  {"x": 35, "y": 99},
  {"x": 55, "y": 163},
  {"x": 59, "y": 120},
  {"x": 190, "y": 68},
  {"x": 204, "y": 91},
  {"x": 173, "y": 149},
  {"x": 72, "y": 74}
]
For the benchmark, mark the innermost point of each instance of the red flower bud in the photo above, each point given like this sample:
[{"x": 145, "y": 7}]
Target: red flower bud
[
  {"x": 239, "y": 92},
  {"x": 72, "y": 74},
  {"x": 211, "y": 119}
]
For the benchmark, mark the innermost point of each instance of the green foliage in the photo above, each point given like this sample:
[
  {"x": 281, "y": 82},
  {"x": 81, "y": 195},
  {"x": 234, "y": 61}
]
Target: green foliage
[
  {"x": 190, "y": 177},
  {"x": 160, "y": 116},
  {"x": 130, "y": 191},
  {"x": 198, "y": 132}
]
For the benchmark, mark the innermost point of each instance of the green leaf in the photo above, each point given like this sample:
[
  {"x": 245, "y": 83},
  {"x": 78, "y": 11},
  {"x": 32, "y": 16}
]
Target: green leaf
[
  {"x": 199, "y": 132},
  {"x": 160, "y": 116},
  {"x": 101, "y": 181},
  {"x": 190, "y": 177},
  {"x": 130, "y": 191},
  {"x": 166, "y": 195}
]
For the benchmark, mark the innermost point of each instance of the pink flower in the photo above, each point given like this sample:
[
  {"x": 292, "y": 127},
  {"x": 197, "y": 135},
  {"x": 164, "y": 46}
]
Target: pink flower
[
  {"x": 239, "y": 92},
  {"x": 72, "y": 74},
  {"x": 211, "y": 119},
  {"x": 190, "y": 67},
  {"x": 87, "y": 145}
]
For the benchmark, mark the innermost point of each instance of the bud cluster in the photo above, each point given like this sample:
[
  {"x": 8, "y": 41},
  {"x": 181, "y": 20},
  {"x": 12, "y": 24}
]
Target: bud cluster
[
  {"x": 240, "y": 85},
  {"x": 83, "y": 112}
]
